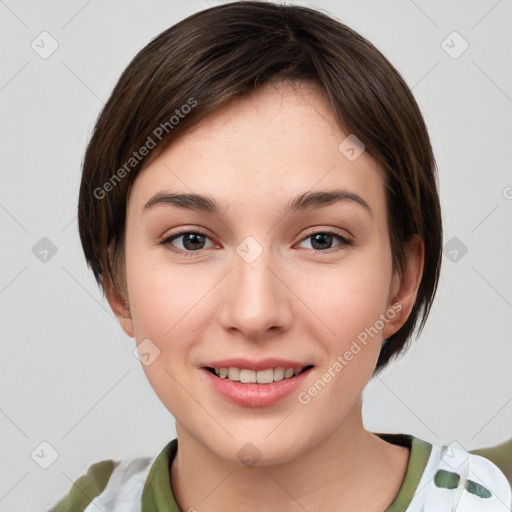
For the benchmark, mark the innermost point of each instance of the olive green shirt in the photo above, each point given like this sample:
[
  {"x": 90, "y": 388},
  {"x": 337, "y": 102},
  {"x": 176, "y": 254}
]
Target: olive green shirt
[{"x": 436, "y": 479}]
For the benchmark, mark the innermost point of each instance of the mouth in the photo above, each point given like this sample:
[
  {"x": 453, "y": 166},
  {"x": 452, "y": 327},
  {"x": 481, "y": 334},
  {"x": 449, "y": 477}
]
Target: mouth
[
  {"x": 263, "y": 386},
  {"x": 265, "y": 376}
]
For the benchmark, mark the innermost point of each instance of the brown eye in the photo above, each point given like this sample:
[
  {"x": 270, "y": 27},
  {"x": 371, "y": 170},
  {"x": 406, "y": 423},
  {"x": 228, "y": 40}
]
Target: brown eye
[
  {"x": 191, "y": 241},
  {"x": 323, "y": 240}
]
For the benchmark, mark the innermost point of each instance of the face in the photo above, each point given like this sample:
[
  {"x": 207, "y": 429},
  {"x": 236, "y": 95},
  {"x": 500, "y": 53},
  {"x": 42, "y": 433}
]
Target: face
[{"x": 259, "y": 285}]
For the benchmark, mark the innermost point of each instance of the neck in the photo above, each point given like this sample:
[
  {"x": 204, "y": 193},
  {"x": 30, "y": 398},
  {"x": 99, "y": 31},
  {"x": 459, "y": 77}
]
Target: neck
[{"x": 351, "y": 469}]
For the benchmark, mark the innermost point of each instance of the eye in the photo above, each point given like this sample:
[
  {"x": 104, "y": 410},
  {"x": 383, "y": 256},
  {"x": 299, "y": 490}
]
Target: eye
[
  {"x": 322, "y": 240},
  {"x": 192, "y": 242}
]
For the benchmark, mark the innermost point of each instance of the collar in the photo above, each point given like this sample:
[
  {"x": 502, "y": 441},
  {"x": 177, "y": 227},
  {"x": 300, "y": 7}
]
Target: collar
[{"x": 157, "y": 493}]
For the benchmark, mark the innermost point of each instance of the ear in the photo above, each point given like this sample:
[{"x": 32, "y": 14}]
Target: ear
[
  {"x": 404, "y": 286},
  {"x": 119, "y": 306}
]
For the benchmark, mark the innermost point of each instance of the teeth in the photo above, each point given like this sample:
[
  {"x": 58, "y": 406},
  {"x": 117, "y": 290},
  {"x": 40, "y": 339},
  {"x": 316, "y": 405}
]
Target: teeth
[
  {"x": 265, "y": 376},
  {"x": 247, "y": 376},
  {"x": 261, "y": 376},
  {"x": 279, "y": 374},
  {"x": 288, "y": 373},
  {"x": 233, "y": 373}
]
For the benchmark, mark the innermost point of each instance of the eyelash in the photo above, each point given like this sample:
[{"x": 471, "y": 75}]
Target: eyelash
[{"x": 344, "y": 241}]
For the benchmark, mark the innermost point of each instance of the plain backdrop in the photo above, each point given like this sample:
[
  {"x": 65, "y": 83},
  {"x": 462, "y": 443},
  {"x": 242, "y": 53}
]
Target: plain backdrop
[{"x": 69, "y": 377}]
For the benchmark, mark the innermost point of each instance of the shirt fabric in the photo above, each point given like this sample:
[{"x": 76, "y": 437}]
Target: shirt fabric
[{"x": 438, "y": 478}]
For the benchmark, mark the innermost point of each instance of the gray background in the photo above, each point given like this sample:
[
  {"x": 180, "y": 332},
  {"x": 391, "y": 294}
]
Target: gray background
[{"x": 69, "y": 377}]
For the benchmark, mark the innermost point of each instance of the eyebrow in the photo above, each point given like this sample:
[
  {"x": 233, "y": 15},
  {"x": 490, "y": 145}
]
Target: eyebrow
[{"x": 302, "y": 202}]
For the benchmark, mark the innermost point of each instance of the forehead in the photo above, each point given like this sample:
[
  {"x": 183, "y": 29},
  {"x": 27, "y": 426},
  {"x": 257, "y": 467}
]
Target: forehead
[{"x": 280, "y": 141}]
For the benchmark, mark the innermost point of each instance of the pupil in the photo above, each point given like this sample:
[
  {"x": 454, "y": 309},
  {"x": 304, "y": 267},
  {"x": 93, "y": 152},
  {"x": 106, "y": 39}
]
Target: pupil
[
  {"x": 191, "y": 238},
  {"x": 318, "y": 238}
]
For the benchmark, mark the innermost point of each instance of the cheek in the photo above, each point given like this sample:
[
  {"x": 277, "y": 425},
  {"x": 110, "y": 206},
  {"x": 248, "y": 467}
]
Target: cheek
[
  {"x": 350, "y": 304},
  {"x": 169, "y": 310},
  {"x": 350, "y": 298},
  {"x": 171, "y": 304},
  {"x": 165, "y": 301}
]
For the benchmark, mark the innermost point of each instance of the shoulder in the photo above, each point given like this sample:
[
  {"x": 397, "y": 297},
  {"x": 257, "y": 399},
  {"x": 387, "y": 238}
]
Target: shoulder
[
  {"x": 455, "y": 479},
  {"x": 501, "y": 455},
  {"x": 108, "y": 485},
  {"x": 118, "y": 486},
  {"x": 86, "y": 488}
]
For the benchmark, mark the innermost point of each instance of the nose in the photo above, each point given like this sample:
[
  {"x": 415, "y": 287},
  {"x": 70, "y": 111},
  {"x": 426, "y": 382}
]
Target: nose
[{"x": 256, "y": 300}]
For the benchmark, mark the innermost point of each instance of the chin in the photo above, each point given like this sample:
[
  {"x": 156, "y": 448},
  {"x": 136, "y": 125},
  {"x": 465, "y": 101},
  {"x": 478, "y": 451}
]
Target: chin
[{"x": 259, "y": 449}]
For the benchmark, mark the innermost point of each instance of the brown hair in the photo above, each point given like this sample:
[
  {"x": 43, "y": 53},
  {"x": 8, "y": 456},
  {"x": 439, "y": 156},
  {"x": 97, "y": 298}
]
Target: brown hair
[{"x": 226, "y": 52}]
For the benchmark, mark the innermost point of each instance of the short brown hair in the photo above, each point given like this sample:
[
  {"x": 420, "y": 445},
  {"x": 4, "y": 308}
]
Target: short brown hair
[{"x": 224, "y": 53}]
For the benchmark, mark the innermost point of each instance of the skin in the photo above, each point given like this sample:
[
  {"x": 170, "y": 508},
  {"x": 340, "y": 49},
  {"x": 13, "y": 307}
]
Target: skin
[{"x": 294, "y": 301}]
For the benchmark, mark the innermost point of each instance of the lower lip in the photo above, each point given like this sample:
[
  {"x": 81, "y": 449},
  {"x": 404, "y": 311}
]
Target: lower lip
[{"x": 256, "y": 395}]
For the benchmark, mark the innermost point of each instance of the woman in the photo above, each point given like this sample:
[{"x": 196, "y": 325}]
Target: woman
[{"x": 259, "y": 205}]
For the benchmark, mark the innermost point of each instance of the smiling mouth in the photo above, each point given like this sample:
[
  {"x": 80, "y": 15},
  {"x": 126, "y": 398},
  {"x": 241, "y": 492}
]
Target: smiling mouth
[{"x": 267, "y": 376}]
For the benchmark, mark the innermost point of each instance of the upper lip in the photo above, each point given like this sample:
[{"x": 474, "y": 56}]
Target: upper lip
[{"x": 251, "y": 364}]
